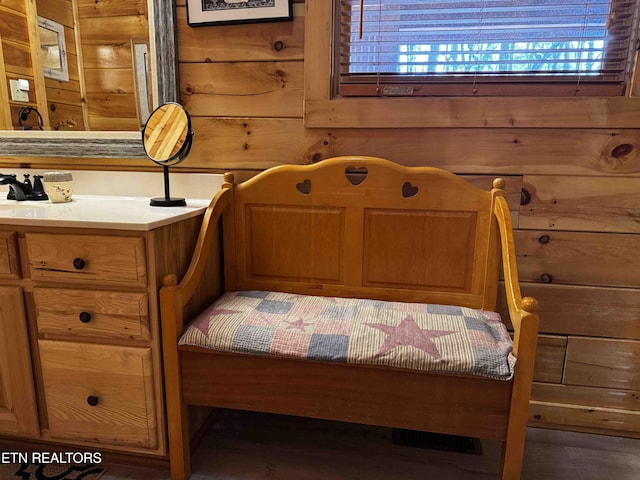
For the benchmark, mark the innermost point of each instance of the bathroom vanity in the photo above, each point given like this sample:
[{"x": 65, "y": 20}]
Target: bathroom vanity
[{"x": 80, "y": 346}]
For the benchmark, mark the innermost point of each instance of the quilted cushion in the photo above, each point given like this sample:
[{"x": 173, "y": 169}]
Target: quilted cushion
[{"x": 416, "y": 336}]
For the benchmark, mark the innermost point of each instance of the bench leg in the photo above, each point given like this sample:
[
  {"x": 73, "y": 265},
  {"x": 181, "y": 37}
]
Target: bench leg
[
  {"x": 512, "y": 456},
  {"x": 179, "y": 451}
]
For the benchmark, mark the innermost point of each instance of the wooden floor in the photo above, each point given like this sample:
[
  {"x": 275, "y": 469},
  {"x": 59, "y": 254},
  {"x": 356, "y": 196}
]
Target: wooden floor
[{"x": 251, "y": 446}]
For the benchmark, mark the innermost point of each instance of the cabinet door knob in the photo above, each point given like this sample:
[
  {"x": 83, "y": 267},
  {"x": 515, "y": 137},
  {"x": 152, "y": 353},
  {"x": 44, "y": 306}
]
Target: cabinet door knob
[
  {"x": 92, "y": 400},
  {"x": 78, "y": 263},
  {"x": 85, "y": 317}
]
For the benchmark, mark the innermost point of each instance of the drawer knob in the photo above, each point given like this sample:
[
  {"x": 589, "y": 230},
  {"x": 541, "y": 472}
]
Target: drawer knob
[
  {"x": 92, "y": 400},
  {"x": 546, "y": 278},
  {"x": 85, "y": 317},
  {"x": 78, "y": 263}
]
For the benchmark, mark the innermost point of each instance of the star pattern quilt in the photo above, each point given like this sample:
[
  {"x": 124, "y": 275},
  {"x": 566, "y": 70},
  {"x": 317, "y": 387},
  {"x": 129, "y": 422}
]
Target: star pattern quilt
[{"x": 415, "y": 336}]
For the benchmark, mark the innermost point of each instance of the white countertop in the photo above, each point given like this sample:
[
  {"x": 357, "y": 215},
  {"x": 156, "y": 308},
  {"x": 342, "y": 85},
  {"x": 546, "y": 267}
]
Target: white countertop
[{"x": 89, "y": 211}]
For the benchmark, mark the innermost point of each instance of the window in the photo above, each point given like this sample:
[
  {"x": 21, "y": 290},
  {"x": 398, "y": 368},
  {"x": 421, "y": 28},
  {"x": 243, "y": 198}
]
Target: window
[{"x": 483, "y": 47}]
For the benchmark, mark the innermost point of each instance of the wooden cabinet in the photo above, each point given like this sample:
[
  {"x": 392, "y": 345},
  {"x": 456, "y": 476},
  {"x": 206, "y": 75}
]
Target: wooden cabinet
[
  {"x": 17, "y": 399},
  {"x": 101, "y": 393},
  {"x": 80, "y": 352}
]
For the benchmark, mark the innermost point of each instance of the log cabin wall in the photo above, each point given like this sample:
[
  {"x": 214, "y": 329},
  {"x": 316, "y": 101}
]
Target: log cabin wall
[
  {"x": 107, "y": 28},
  {"x": 578, "y": 227}
]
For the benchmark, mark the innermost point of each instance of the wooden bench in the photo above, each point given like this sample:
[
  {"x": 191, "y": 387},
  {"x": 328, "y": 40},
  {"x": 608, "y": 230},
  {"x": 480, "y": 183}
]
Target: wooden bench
[{"x": 360, "y": 228}]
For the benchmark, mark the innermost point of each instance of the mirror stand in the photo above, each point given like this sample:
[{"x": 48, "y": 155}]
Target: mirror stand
[
  {"x": 166, "y": 138},
  {"x": 167, "y": 200}
]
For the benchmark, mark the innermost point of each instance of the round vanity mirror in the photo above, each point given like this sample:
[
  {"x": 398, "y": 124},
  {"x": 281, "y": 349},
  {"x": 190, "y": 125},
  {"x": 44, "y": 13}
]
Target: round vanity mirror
[{"x": 166, "y": 138}]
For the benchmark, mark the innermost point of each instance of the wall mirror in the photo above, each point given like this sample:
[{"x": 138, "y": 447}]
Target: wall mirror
[{"x": 101, "y": 143}]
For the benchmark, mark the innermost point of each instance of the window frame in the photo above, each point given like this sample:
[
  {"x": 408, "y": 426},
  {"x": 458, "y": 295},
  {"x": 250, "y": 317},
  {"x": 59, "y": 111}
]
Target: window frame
[{"x": 321, "y": 110}]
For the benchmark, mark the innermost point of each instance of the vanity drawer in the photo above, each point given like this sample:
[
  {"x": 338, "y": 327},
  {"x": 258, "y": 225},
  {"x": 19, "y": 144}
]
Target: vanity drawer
[
  {"x": 92, "y": 313},
  {"x": 99, "y": 393},
  {"x": 87, "y": 258},
  {"x": 9, "y": 260}
]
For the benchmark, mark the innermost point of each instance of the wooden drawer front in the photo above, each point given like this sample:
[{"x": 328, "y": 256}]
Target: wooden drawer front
[
  {"x": 119, "y": 379},
  {"x": 9, "y": 261},
  {"x": 87, "y": 258},
  {"x": 92, "y": 313}
]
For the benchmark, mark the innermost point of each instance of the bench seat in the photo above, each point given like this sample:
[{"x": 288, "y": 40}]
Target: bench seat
[
  {"x": 414, "y": 336},
  {"x": 292, "y": 305}
]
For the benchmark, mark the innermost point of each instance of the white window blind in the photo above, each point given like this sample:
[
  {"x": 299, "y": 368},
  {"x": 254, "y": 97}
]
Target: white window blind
[{"x": 484, "y": 47}]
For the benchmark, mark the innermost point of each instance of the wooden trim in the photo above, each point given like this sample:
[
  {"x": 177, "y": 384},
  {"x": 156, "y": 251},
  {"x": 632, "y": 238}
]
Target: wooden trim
[
  {"x": 38, "y": 69},
  {"x": 5, "y": 117},
  {"x": 320, "y": 110}
]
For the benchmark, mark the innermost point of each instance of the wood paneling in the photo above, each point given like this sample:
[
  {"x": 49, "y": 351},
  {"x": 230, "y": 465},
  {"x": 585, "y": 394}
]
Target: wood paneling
[
  {"x": 586, "y": 311},
  {"x": 264, "y": 142},
  {"x": 107, "y": 28},
  {"x": 550, "y": 356},
  {"x": 579, "y": 258},
  {"x": 64, "y": 98},
  {"x": 60, "y": 11},
  {"x": 113, "y": 30},
  {"x": 243, "y": 89},
  {"x": 593, "y": 396},
  {"x": 585, "y": 418},
  {"x": 111, "y": 8},
  {"x": 605, "y": 204},
  {"x": 607, "y": 363},
  {"x": 237, "y": 43},
  {"x": 17, "y": 57}
]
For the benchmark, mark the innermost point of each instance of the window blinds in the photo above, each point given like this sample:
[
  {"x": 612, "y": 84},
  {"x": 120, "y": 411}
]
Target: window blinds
[{"x": 484, "y": 47}]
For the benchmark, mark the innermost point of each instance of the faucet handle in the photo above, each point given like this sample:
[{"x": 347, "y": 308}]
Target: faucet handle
[{"x": 38, "y": 189}]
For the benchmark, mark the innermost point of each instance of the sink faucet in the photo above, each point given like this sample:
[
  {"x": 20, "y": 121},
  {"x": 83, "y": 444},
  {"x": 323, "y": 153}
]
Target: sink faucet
[{"x": 15, "y": 186}]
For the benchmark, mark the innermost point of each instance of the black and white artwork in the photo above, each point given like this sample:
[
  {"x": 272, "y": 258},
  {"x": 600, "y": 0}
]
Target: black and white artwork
[{"x": 222, "y": 12}]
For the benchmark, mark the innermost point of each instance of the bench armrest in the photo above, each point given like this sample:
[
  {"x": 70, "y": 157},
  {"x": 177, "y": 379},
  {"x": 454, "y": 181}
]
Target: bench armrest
[
  {"x": 522, "y": 311},
  {"x": 173, "y": 295}
]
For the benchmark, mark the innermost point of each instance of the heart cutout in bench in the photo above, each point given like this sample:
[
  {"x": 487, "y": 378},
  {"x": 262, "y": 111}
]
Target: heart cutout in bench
[
  {"x": 356, "y": 175},
  {"x": 409, "y": 190},
  {"x": 304, "y": 187}
]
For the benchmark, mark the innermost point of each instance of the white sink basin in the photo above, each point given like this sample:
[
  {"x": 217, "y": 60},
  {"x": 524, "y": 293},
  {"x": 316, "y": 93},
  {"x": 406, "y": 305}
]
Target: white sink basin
[{"x": 24, "y": 209}]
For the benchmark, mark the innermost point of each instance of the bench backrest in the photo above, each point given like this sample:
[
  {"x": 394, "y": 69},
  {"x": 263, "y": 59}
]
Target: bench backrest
[{"x": 364, "y": 227}]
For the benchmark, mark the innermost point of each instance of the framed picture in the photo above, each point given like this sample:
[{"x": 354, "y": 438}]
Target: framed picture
[
  {"x": 53, "y": 49},
  {"x": 224, "y": 12}
]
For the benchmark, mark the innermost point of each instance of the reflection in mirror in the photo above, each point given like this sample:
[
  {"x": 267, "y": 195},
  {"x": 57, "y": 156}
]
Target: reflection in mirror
[
  {"x": 53, "y": 49},
  {"x": 80, "y": 61},
  {"x": 167, "y": 138},
  {"x": 69, "y": 144}
]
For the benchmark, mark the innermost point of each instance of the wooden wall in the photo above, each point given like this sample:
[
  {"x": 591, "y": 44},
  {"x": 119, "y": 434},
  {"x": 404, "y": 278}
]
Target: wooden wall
[
  {"x": 107, "y": 28},
  {"x": 64, "y": 99},
  {"x": 578, "y": 228},
  {"x": 16, "y": 31}
]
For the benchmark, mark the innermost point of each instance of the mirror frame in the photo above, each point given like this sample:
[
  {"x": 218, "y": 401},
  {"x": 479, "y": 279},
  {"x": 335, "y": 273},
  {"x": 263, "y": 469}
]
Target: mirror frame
[{"x": 94, "y": 144}]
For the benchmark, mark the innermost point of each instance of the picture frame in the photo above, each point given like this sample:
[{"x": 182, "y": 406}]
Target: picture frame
[
  {"x": 53, "y": 49},
  {"x": 226, "y": 12}
]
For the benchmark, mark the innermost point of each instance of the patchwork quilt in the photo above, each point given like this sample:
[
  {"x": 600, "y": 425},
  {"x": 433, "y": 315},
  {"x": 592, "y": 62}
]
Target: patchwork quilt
[{"x": 415, "y": 336}]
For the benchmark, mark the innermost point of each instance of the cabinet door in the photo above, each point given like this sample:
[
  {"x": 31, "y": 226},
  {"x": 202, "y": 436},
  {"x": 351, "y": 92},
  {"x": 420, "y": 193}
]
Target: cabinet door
[
  {"x": 100, "y": 393},
  {"x": 18, "y": 413}
]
